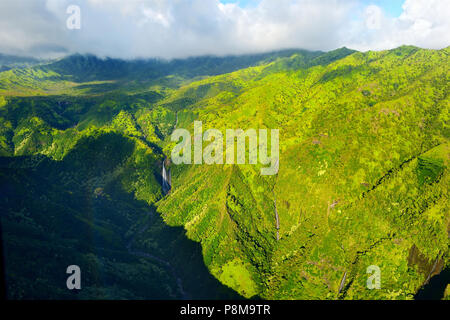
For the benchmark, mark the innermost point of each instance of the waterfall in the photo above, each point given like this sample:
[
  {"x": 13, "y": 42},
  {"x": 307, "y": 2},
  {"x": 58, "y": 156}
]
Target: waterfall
[
  {"x": 341, "y": 286},
  {"x": 165, "y": 179},
  {"x": 276, "y": 216}
]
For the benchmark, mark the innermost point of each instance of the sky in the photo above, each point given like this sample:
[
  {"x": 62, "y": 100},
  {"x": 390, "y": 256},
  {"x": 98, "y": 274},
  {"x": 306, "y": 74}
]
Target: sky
[{"x": 182, "y": 28}]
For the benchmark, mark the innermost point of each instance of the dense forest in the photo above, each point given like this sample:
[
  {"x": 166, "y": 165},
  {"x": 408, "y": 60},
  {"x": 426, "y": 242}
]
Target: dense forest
[{"x": 363, "y": 176}]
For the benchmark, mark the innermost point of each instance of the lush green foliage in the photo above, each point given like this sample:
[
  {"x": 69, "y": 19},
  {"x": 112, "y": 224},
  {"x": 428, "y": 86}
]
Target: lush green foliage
[{"x": 363, "y": 179}]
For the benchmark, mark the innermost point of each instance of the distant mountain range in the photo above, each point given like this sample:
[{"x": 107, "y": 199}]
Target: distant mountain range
[{"x": 8, "y": 62}]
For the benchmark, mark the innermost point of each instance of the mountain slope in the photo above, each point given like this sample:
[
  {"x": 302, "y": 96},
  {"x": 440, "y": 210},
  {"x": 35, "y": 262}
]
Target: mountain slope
[
  {"x": 350, "y": 191},
  {"x": 88, "y": 74},
  {"x": 8, "y": 62},
  {"x": 363, "y": 179}
]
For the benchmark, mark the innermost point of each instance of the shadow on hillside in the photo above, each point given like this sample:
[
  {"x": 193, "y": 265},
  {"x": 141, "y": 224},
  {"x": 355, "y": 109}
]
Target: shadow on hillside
[
  {"x": 96, "y": 88},
  {"x": 435, "y": 288},
  {"x": 56, "y": 213}
]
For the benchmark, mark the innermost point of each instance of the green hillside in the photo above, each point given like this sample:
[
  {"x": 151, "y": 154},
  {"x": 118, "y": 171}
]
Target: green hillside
[{"x": 363, "y": 178}]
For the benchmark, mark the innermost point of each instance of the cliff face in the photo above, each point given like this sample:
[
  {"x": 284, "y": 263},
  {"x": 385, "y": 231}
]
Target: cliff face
[{"x": 362, "y": 180}]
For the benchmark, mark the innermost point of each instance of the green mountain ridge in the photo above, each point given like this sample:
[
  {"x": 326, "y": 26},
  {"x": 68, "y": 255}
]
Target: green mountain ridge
[
  {"x": 8, "y": 62},
  {"x": 363, "y": 179},
  {"x": 84, "y": 74}
]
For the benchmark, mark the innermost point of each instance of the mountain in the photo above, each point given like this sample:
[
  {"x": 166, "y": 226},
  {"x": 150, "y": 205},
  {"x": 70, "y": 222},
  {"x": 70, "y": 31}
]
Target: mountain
[
  {"x": 88, "y": 74},
  {"x": 362, "y": 181},
  {"x": 9, "y": 62}
]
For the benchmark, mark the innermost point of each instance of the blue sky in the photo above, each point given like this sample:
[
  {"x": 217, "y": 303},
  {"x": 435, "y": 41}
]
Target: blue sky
[
  {"x": 392, "y": 7},
  {"x": 242, "y": 3}
]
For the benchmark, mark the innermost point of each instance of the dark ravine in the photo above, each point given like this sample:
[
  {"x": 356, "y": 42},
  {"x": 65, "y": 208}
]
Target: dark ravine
[
  {"x": 434, "y": 289},
  {"x": 160, "y": 260}
]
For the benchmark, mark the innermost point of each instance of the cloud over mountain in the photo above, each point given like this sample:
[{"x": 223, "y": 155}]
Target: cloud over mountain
[{"x": 180, "y": 28}]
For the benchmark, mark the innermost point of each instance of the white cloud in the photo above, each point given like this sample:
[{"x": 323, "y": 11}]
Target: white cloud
[
  {"x": 373, "y": 17},
  {"x": 424, "y": 23},
  {"x": 179, "y": 28}
]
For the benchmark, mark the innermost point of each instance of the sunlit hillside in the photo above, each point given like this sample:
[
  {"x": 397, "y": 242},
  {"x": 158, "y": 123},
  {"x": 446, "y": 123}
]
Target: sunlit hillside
[{"x": 363, "y": 176}]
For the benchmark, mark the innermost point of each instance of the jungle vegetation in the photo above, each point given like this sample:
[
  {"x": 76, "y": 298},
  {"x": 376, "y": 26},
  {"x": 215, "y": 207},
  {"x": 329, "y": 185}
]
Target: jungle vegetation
[{"x": 363, "y": 177}]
